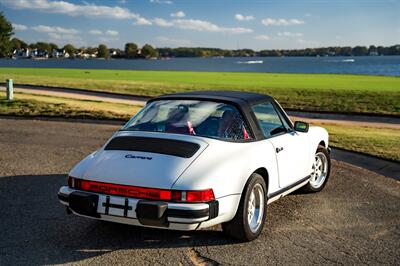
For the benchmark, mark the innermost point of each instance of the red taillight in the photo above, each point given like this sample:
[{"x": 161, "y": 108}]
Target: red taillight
[
  {"x": 176, "y": 195},
  {"x": 200, "y": 196},
  {"x": 141, "y": 192},
  {"x": 122, "y": 190},
  {"x": 70, "y": 181}
]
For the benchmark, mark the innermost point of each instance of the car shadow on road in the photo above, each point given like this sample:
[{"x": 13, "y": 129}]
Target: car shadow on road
[{"x": 37, "y": 230}]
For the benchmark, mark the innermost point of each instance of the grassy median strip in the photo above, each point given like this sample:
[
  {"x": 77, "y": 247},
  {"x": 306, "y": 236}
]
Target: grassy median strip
[
  {"x": 308, "y": 92},
  {"x": 378, "y": 141},
  {"x": 46, "y": 106}
]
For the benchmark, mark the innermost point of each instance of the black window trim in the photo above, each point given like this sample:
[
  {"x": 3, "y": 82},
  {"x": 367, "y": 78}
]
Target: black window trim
[{"x": 278, "y": 109}]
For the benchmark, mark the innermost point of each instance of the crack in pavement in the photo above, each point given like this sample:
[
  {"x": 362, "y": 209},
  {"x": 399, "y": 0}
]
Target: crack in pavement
[{"x": 199, "y": 260}]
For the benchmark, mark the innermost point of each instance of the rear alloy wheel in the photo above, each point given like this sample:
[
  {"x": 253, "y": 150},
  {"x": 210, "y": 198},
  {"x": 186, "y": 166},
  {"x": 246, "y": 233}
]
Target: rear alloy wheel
[
  {"x": 255, "y": 208},
  {"x": 250, "y": 216},
  {"x": 320, "y": 171}
]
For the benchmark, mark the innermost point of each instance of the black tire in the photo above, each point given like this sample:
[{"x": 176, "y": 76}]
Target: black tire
[
  {"x": 308, "y": 188},
  {"x": 238, "y": 227}
]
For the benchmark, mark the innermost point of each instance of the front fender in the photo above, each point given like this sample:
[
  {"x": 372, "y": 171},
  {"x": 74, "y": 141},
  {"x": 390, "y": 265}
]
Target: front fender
[{"x": 316, "y": 135}]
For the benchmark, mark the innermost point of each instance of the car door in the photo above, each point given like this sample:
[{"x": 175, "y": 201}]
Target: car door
[{"x": 291, "y": 147}]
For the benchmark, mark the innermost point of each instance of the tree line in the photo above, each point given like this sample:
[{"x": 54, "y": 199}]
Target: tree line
[
  {"x": 131, "y": 50},
  {"x": 102, "y": 51},
  {"x": 323, "y": 51}
]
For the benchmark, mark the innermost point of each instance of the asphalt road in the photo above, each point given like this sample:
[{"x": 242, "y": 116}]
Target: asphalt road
[{"x": 354, "y": 220}]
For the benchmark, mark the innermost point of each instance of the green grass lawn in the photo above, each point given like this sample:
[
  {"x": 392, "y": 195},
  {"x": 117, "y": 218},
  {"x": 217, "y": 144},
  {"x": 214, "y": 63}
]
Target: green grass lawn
[
  {"x": 308, "y": 92},
  {"x": 34, "y": 105},
  {"x": 378, "y": 141}
]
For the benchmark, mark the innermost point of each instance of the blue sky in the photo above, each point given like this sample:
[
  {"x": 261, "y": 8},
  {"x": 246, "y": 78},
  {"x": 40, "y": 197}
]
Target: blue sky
[{"x": 232, "y": 24}]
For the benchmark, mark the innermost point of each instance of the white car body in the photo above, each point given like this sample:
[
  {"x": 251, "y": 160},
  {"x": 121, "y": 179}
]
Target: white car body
[{"x": 285, "y": 161}]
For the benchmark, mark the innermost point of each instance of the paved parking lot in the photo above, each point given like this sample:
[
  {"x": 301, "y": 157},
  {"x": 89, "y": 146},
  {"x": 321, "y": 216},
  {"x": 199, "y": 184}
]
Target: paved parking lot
[{"x": 355, "y": 220}]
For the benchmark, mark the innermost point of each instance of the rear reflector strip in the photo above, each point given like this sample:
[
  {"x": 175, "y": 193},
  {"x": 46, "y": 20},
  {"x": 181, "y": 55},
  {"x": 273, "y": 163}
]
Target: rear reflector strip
[
  {"x": 141, "y": 192},
  {"x": 122, "y": 190}
]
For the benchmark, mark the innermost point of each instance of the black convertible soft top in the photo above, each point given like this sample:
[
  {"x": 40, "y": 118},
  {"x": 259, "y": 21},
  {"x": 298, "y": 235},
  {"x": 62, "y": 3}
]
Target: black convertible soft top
[
  {"x": 242, "y": 100},
  {"x": 237, "y": 97}
]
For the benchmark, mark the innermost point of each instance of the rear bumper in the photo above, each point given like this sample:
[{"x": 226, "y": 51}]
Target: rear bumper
[{"x": 177, "y": 216}]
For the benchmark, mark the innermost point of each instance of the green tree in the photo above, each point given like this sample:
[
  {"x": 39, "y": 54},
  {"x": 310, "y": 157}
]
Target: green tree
[
  {"x": 381, "y": 50},
  {"x": 227, "y": 53},
  {"x": 6, "y": 31},
  {"x": 53, "y": 46},
  {"x": 148, "y": 51},
  {"x": 70, "y": 49},
  {"x": 32, "y": 46},
  {"x": 91, "y": 50},
  {"x": 360, "y": 50},
  {"x": 345, "y": 51},
  {"x": 131, "y": 50},
  {"x": 43, "y": 46},
  {"x": 17, "y": 44},
  {"x": 103, "y": 51}
]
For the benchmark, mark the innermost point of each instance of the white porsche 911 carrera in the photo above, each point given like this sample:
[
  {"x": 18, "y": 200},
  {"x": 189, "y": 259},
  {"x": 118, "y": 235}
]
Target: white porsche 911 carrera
[{"x": 193, "y": 160}]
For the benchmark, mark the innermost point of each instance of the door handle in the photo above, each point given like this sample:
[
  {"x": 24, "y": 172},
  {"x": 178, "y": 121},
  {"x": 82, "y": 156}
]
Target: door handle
[{"x": 279, "y": 149}]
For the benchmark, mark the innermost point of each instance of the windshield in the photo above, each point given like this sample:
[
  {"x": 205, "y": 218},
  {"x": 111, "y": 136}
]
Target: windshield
[{"x": 191, "y": 117}]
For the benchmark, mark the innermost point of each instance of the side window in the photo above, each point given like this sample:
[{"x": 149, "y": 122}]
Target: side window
[{"x": 269, "y": 120}]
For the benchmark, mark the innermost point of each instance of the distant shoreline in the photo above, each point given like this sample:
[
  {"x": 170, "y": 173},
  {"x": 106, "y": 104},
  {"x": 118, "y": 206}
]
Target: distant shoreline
[
  {"x": 357, "y": 65},
  {"x": 199, "y": 57}
]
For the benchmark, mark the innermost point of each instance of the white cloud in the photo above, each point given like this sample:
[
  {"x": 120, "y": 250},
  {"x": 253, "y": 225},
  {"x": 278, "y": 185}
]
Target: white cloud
[
  {"x": 71, "y": 9},
  {"x": 199, "y": 25},
  {"x": 60, "y": 35},
  {"x": 262, "y": 37},
  {"x": 54, "y": 29},
  {"x": 162, "y": 22},
  {"x": 57, "y": 36},
  {"x": 19, "y": 26},
  {"x": 142, "y": 21},
  {"x": 66, "y": 38},
  {"x": 179, "y": 14},
  {"x": 96, "y": 32},
  {"x": 281, "y": 22},
  {"x": 108, "y": 40},
  {"x": 290, "y": 34},
  {"x": 307, "y": 15},
  {"x": 241, "y": 17},
  {"x": 112, "y": 33},
  {"x": 170, "y": 42},
  {"x": 168, "y": 2}
]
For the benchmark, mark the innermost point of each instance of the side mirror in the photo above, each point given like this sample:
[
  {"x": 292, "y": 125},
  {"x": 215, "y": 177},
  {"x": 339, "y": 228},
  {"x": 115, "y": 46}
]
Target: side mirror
[{"x": 301, "y": 126}]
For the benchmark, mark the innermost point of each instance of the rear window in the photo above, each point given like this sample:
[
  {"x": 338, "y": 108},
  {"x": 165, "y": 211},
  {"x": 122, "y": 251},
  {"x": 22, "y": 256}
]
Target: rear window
[{"x": 191, "y": 117}]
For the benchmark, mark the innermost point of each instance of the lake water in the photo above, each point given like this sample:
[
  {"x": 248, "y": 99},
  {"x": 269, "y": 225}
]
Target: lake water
[{"x": 368, "y": 65}]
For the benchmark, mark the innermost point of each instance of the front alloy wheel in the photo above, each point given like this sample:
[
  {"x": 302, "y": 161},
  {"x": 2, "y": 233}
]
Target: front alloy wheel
[{"x": 320, "y": 171}]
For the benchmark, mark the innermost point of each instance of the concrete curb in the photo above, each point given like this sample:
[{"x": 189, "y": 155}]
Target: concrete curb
[{"x": 383, "y": 167}]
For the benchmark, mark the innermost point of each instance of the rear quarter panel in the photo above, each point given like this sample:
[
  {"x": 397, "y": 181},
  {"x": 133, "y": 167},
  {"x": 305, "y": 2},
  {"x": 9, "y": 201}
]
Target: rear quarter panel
[{"x": 225, "y": 167}]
